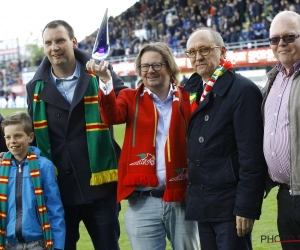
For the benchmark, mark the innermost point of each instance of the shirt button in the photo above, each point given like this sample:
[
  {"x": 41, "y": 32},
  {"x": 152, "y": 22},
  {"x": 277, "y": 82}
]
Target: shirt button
[
  {"x": 206, "y": 118},
  {"x": 201, "y": 139},
  {"x": 272, "y": 133}
]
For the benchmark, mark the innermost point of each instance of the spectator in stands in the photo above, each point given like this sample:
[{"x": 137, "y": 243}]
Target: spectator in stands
[
  {"x": 183, "y": 4},
  {"x": 184, "y": 80},
  {"x": 152, "y": 166},
  {"x": 251, "y": 34},
  {"x": 282, "y": 124},
  {"x": 148, "y": 27},
  {"x": 69, "y": 131},
  {"x": 225, "y": 153},
  {"x": 2, "y": 84}
]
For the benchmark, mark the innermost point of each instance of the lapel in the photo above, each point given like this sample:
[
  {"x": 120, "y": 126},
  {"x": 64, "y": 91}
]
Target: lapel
[
  {"x": 51, "y": 95},
  {"x": 81, "y": 87}
]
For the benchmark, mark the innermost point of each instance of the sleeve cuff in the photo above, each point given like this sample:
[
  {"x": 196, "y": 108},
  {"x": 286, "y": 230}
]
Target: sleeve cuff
[{"x": 106, "y": 87}]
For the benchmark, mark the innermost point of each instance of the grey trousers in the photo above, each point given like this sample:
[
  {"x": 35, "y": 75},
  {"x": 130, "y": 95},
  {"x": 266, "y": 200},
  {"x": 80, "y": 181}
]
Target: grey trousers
[{"x": 33, "y": 245}]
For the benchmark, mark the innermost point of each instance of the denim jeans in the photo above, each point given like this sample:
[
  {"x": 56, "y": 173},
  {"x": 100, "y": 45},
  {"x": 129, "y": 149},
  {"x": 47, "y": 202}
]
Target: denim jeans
[
  {"x": 149, "y": 221},
  {"x": 34, "y": 245}
]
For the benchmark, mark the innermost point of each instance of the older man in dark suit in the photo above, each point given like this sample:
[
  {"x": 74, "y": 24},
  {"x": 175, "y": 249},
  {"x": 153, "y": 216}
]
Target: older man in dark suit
[{"x": 225, "y": 147}]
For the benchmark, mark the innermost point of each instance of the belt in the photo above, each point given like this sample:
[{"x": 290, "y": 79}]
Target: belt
[
  {"x": 156, "y": 193},
  {"x": 284, "y": 186}
]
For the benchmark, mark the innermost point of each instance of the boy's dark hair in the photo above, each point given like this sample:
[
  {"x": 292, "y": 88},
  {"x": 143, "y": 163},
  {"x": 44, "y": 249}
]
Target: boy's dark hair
[{"x": 18, "y": 117}]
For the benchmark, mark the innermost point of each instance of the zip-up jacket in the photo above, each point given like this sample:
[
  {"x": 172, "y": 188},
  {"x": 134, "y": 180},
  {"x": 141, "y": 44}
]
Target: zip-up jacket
[{"x": 22, "y": 217}]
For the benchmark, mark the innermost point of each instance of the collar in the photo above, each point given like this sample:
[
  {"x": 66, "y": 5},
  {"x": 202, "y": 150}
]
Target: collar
[
  {"x": 292, "y": 69},
  {"x": 43, "y": 69},
  {"x": 75, "y": 75},
  {"x": 153, "y": 96},
  {"x": 194, "y": 84},
  {"x": 21, "y": 162}
]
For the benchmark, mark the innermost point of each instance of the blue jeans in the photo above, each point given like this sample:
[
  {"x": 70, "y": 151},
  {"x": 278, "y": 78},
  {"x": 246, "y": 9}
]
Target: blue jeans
[
  {"x": 34, "y": 245},
  {"x": 149, "y": 221},
  {"x": 101, "y": 219}
]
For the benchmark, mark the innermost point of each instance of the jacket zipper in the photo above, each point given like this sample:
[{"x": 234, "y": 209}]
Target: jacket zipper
[{"x": 18, "y": 194}]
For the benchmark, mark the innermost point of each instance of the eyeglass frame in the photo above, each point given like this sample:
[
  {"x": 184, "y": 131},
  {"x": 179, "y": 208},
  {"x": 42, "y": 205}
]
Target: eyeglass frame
[
  {"x": 294, "y": 37},
  {"x": 199, "y": 50},
  {"x": 151, "y": 65}
]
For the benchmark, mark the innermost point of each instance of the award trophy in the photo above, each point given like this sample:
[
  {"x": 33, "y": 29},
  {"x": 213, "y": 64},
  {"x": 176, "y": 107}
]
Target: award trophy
[{"x": 101, "y": 47}]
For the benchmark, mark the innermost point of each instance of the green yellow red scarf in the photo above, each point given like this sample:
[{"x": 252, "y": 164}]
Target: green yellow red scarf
[
  {"x": 103, "y": 162},
  {"x": 220, "y": 70}
]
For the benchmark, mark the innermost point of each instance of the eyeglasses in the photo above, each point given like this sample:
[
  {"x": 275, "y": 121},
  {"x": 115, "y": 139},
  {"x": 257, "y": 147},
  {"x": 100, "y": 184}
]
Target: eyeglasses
[
  {"x": 204, "y": 51},
  {"x": 286, "y": 39},
  {"x": 155, "y": 66}
]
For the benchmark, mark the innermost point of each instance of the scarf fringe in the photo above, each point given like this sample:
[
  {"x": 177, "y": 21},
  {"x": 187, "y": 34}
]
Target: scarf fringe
[
  {"x": 174, "y": 195},
  {"x": 104, "y": 177},
  {"x": 136, "y": 179}
]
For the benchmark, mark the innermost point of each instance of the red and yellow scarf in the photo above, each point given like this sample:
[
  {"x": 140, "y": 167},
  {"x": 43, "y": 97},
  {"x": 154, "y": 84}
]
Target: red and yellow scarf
[{"x": 220, "y": 70}]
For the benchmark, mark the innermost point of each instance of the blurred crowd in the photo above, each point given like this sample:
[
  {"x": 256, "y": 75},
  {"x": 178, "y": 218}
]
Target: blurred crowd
[{"x": 172, "y": 21}]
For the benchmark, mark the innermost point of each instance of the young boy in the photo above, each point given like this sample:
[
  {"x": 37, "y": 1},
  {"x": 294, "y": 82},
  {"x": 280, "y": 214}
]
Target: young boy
[{"x": 31, "y": 211}]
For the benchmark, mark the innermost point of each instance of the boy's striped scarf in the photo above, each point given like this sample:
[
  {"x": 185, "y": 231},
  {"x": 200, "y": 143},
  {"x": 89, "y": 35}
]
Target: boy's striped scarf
[
  {"x": 102, "y": 157},
  {"x": 220, "y": 70},
  {"x": 38, "y": 191}
]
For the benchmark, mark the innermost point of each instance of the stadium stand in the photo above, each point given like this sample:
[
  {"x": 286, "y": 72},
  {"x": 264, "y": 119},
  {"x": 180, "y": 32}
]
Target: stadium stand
[
  {"x": 242, "y": 23},
  {"x": 171, "y": 21}
]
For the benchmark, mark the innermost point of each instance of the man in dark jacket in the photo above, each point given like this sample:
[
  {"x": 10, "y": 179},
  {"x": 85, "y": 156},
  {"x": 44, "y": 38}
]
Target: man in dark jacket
[
  {"x": 62, "y": 101},
  {"x": 225, "y": 147}
]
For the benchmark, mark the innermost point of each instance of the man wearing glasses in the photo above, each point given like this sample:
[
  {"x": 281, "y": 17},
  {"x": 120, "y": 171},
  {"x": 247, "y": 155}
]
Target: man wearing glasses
[
  {"x": 152, "y": 170},
  {"x": 282, "y": 124},
  {"x": 225, "y": 147}
]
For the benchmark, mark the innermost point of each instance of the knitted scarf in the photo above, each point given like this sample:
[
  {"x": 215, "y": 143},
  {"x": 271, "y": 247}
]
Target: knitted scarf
[
  {"x": 38, "y": 191},
  {"x": 103, "y": 162},
  {"x": 141, "y": 161},
  {"x": 220, "y": 70}
]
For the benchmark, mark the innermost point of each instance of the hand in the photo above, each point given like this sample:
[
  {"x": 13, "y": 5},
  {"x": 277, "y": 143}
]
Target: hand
[
  {"x": 100, "y": 70},
  {"x": 243, "y": 225}
]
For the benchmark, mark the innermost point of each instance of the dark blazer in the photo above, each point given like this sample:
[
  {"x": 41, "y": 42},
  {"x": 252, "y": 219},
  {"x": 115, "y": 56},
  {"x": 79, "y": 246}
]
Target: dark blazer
[
  {"x": 3, "y": 147},
  {"x": 225, "y": 151},
  {"x": 66, "y": 125}
]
